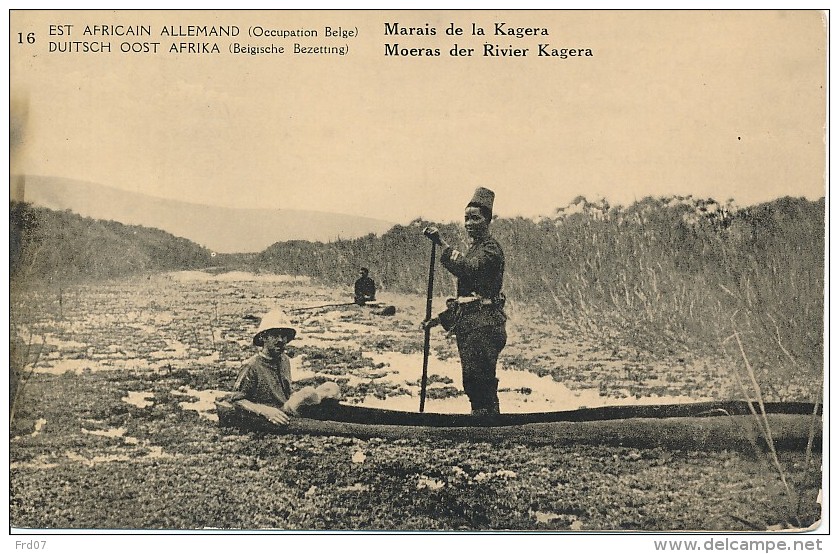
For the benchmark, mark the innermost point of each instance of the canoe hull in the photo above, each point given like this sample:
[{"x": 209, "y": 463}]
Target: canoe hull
[{"x": 698, "y": 426}]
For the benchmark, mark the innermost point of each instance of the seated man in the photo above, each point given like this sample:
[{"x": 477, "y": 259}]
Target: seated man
[
  {"x": 365, "y": 288},
  {"x": 264, "y": 382}
]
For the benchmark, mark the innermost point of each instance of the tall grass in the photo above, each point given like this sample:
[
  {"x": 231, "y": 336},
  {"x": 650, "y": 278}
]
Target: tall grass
[
  {"x": 796, "y": 491},
  {"x": 673, "y": 274},
  {"x": 685, "y": 270},
  {"x": 48, "y": 247}
]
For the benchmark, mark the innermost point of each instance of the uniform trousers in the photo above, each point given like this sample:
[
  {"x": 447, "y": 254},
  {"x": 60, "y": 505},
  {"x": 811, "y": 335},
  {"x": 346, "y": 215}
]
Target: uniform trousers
[{"x": 479, "y": 349}]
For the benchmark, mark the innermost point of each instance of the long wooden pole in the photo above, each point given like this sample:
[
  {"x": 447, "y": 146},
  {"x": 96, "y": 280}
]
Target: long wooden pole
[
  {"x": 427, "y": 344},
  {"x": 319, "y": 307}
]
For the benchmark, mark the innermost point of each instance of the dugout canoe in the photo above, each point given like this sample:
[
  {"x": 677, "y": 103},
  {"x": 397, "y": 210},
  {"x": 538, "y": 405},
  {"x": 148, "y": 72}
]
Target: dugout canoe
[{"x": 726, "y": 425}]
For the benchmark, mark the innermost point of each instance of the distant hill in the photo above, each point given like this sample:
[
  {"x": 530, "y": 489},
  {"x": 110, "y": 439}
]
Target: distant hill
[{"x": 227, "y": 230}]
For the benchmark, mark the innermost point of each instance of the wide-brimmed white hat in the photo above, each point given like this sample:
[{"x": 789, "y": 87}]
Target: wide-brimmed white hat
[{"x": 275, "y": 320}]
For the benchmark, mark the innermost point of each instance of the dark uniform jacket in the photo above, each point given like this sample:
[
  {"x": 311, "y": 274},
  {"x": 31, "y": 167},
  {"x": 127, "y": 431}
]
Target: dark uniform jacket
[
  {"x": 480, "y": 273},
  {"x": 365, "y": 289}
]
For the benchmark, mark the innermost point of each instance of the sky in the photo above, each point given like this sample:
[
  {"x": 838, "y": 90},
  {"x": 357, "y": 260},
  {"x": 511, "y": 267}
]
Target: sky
[{"x": 715, "y": 104}]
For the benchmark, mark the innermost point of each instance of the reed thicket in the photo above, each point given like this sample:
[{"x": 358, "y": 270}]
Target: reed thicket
[
  {"x": 49, "y": 247},
  {"x": 674, "y": 273}
]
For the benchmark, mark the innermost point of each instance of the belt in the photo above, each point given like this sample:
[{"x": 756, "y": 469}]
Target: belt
[{"x": 471, "y": 300}]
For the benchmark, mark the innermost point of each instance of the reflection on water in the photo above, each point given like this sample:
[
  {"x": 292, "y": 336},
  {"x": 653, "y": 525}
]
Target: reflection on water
[
  {"x": 155, "y": 452},
  {"x": 205, "y": 403},
  {"x": 116, "y": 432},
  {"x": 139, "y": 399},
  {"x": 519, "y": 391},
  {"x": 236, "y": 276}
]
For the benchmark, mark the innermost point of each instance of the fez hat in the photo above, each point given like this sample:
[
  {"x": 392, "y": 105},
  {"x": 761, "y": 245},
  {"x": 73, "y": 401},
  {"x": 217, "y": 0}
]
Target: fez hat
[{"x": 483, "y": 198}]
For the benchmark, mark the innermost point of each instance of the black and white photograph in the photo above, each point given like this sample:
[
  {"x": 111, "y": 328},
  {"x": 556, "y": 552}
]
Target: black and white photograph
[{"x": 446, "y": 272}]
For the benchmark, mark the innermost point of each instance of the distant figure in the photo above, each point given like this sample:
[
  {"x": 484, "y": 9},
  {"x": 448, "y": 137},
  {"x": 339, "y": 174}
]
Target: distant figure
[
  {"x": 365, "y": 288},
  {"x": 476, "y": 317},
  {"x": 264, "y": 382}
]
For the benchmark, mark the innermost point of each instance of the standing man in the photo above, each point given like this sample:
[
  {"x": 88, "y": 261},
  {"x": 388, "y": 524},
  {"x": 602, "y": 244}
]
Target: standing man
[
  {"x": 365, "y": 288},
  {"x": 477, "y": 316}
]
